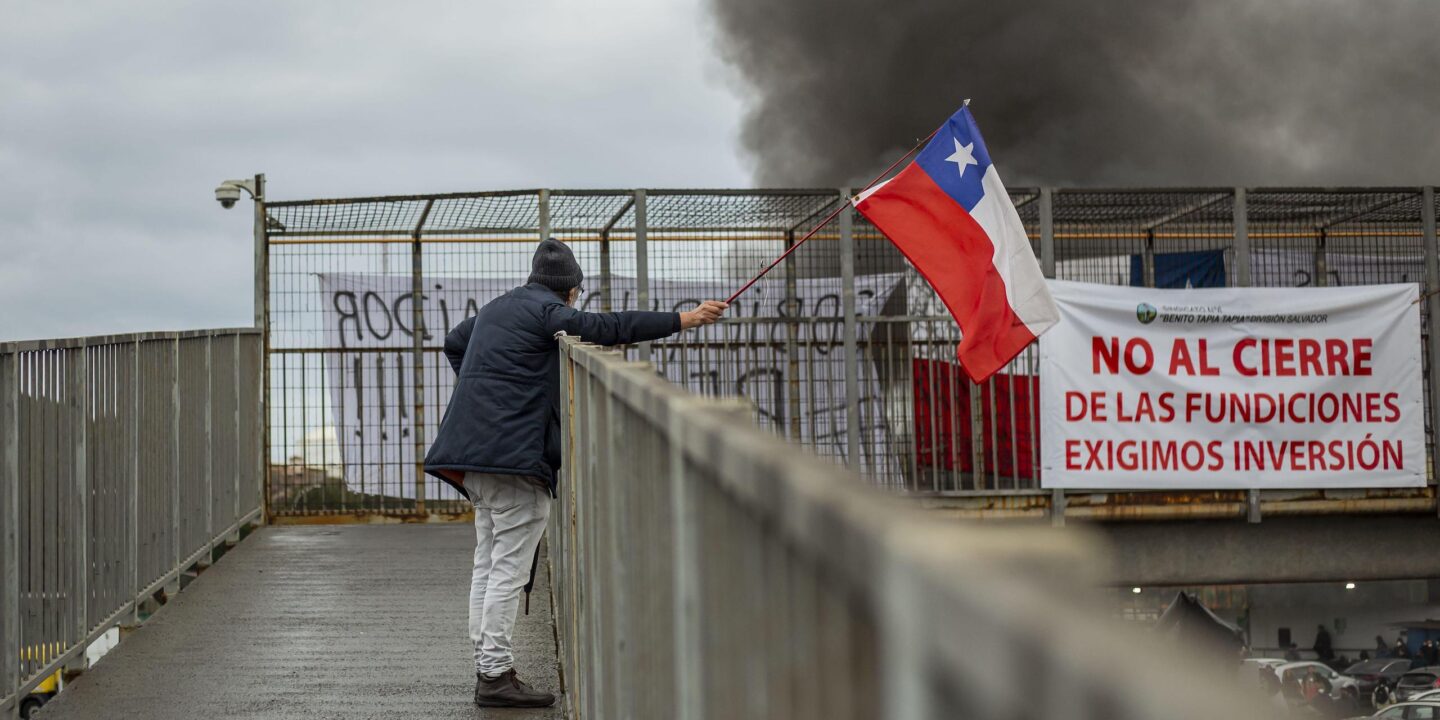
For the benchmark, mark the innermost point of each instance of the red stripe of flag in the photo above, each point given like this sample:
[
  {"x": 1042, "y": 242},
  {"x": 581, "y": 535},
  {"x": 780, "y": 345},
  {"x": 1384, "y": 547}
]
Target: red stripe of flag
[{"x": 956, "y": 257}]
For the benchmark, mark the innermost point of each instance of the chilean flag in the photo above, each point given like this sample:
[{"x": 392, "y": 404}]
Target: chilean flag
[{"x": 949, "y": 213}]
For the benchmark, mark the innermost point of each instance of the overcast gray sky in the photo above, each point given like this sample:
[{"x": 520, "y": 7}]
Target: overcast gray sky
[{"x": 117, "y": 120}]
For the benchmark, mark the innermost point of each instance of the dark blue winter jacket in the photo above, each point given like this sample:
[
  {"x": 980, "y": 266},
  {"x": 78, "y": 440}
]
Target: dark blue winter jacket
[{"x": 504, "y": 414}]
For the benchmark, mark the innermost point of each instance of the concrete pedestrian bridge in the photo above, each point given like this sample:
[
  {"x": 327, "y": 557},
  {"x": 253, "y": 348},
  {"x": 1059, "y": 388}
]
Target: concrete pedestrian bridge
[
  {"x": 798, "y": 515},
  {"x": 315, "y": 622}
]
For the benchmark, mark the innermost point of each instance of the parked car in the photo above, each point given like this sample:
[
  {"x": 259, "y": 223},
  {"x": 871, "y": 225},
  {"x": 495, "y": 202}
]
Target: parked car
[
  {"x": 1250, "y": 668},
  {"x": 1423, "y": 710},
  {"x": 1417, "y": 681},
  {"x": 1370, "y": 674},
  {"x": 1342, "y": 689}
]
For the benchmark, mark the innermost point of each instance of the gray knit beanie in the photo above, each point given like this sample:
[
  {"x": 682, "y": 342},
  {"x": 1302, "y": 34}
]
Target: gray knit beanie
[{"x": 554, "y": 266}]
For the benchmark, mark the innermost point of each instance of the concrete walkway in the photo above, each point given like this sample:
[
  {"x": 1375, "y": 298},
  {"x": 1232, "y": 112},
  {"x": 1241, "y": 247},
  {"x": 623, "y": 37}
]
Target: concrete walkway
[{"x": 316, "y": 622}]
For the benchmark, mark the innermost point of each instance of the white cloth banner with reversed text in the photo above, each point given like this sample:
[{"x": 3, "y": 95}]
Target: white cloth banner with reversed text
[{"x": 1232, "y": 388}]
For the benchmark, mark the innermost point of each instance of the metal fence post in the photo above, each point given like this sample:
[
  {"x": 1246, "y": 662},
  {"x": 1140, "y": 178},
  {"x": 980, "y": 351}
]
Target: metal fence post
[
  {"x": 9, "y": 528},
  {"x": 262, "y": 323},
  {"x": 262, "y": 254},
  {"x": 792, "y": 340},
  {"x": 133, "y": 499},
  {"x": 1148, "y": 259},
  {"x": 851, "y": 333},
  {"x": 1432, "y": 307},
  {"x": 79, "y": 404},
  {"x": 209, "y": 444},
  {"x": 1243, "y": 257},
  {"x": 1047, "y": 267},
  {"x": 417, "y": 351},
  {"x": 235, "y": 432},
  {"x": 175, "y": 539},
  {"x": 1242, "y": 240},
  {"x": 1047, "y": 231},
  {"x": 606, "y": 305},
  {"x": 642, "y": 264}
]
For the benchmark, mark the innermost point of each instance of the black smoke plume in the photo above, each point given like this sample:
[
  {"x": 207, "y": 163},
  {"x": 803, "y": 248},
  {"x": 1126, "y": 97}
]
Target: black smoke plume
[{"x": 1095, "y": 92}]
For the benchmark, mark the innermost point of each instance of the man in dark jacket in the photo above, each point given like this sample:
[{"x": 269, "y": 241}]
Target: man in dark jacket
[
  {"x": 499, "y": 443},
  {"x": 1324, "y": 648}
]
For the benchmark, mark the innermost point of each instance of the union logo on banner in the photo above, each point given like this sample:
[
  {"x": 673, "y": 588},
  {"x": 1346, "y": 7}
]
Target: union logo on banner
[{"x": 1145, "y": 313}]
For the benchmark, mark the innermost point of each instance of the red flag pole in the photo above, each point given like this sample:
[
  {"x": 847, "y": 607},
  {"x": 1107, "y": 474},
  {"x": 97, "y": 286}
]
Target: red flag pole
[{"x": 834, "y": 214}]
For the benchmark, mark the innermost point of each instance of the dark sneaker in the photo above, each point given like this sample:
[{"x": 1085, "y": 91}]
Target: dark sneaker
[{"x": 508, "y": 690}]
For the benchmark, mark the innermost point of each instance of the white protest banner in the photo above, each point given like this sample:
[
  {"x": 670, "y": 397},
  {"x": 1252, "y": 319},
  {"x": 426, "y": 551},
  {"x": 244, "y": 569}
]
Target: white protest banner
[
  {"x": 369, "y": 374},
  {"x": 1232, "y": 388}
]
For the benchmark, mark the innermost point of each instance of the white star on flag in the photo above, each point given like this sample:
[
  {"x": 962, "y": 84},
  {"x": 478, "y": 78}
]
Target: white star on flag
[{"x": 962, "y": 157}]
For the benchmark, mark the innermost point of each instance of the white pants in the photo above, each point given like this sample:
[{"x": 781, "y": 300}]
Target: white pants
[{"x": 510, "y": 515}]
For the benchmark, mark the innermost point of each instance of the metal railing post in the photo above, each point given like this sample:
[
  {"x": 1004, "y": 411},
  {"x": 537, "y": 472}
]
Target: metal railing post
[
  {"x": 1047, "y": 267},
  {"x": 9, "y": 528},
  {"x": 851, "y": 333},
  {"x": 689, "y": 626},
  {"x": 78, "y": 402},
  {"x": 133, "y": 497},
  {"x": 417, "y": 352},
  {"x": 235, "y": 432},
  {"x": 1432, "y": 311},
  {"x": 175, "y": 540},
  {"x": 642, "y": 263},
  {"x": 209, "y": 443}
]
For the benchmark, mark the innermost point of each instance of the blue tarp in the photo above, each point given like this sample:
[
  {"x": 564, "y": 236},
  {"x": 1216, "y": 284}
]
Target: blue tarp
[{"x": 1201, "y": 269}]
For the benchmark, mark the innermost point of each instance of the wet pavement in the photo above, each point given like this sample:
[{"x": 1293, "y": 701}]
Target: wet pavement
[{"x": 316, "y": 622}]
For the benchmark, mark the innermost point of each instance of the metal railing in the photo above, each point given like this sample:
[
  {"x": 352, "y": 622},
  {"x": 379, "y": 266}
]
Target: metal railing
[
  {"x": 843, "y": 348},
  {"x": 705, "y": 568},
  {"x": 124, "y": 460}
]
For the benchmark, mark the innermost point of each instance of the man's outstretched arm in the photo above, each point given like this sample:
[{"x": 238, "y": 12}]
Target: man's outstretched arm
[{"x": 632, "y": 326}]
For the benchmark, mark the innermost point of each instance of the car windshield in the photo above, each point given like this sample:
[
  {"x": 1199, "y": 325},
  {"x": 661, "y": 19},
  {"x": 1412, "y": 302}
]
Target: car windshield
[
  {"x": 1368, "y": 666},
  {"x": 1417, "y": 679}
]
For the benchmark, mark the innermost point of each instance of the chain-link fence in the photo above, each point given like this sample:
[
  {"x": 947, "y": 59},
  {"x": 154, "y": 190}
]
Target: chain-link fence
[{"x": 843, "y": 347}]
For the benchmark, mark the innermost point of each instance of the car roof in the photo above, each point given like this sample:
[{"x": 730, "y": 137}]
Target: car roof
[
  {"x": 1267, "y": 661},
  {"x": 1300, "y": 663},
  {"x": 1433, "y": 670},
  {"x": 1378, "y": 661}
]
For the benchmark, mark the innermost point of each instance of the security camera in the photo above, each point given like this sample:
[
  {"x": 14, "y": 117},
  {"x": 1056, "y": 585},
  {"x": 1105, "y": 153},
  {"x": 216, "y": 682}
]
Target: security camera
[{"x": 227, "y": 194}]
